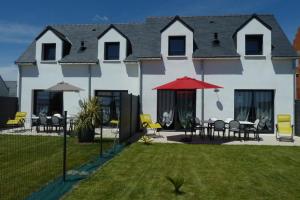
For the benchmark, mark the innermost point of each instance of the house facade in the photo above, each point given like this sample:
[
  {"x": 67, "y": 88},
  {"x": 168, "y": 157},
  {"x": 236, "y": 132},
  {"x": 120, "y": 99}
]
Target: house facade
[
  {"x": 248, "y": 55},
  {"x": 296, "y": 45}
]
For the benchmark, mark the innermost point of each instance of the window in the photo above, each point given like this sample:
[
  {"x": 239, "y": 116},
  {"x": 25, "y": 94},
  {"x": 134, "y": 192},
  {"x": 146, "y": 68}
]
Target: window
[
  {"x": 48, "y": 103},
  {"x": 176, "y": 45},
  {"x": 254, "y": 44},
  {"x": 112, "y": 51},
  {"x": 48, "y": 51},
  {"x": 110, "y": 103},
  {"x": 250, "y": 105},
  {"x": 174, "y": 108}
]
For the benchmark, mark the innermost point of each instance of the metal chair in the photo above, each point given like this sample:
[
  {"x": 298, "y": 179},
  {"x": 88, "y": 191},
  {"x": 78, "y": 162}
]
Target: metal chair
[
  {"x": 196, "y": 125},
  {"x": 254, "y": 129},
  {"x": 234, "y": 126},
  {"x": 56, "y": 123},
  {"x": 219, "y": 126},
  {"x": 43, "y": 121}
]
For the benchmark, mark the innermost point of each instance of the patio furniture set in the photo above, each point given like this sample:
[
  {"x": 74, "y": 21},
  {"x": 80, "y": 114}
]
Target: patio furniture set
[
  {"x": 229, "y": 126},
  {"x": 284, "y": 127},
  {"x": 51, "y": 123}
]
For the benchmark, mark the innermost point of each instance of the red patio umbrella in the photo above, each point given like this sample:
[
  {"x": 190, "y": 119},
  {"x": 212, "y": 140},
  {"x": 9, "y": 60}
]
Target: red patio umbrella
[{"x": 186, "y": 83}]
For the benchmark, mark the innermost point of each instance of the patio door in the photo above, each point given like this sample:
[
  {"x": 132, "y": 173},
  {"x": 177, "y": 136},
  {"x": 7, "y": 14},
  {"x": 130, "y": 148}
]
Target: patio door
[
  {"x": 250, "y": 105},
  {"x": 175, "y": 108}
]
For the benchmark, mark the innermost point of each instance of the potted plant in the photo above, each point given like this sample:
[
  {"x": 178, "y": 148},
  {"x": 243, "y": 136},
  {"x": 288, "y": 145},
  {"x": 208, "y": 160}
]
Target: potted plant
[{"x": 87, "y": 120}]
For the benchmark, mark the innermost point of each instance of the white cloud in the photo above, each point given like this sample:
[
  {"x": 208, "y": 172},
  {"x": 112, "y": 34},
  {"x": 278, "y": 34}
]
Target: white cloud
[
  {"x": 9, "y": 73},
  {"x": 11, "y": 32},
  {"x": 99, "y": 18}
]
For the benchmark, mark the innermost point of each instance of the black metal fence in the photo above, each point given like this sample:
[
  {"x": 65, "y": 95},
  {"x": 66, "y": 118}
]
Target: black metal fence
[{"x": 29, "y": 160}]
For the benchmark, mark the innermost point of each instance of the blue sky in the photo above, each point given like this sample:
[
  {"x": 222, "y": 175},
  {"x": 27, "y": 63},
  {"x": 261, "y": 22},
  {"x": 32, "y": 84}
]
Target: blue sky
[{"x": 21, "y": 21}]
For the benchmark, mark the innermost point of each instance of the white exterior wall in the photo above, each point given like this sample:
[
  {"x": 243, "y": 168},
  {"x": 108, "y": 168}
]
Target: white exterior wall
[
  {"x": 49, "y": 73},
  {"x": 115, "y": 75},
  {"x": 248, "y": 72},
  {"x": 256, "y": 72},
  {"x": 108, "y": 75}
]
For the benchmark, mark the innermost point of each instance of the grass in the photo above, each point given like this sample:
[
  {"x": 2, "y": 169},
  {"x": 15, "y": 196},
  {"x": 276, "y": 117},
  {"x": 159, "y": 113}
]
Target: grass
[
  {"x": 210, "y": 172},
  {"x": 29, "y": 162}
]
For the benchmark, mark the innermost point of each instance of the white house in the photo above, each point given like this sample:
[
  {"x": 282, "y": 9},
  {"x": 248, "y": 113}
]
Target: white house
[{"x": 248, "y": 55}]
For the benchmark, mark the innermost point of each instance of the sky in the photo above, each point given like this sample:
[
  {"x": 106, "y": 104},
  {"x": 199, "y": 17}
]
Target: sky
[{"x": 21, "y": 21}]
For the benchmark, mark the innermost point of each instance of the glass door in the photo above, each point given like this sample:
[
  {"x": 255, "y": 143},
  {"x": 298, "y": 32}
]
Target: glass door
[
  {"x": 250, "y": 105},
  {"x": 175, "y": 108}
]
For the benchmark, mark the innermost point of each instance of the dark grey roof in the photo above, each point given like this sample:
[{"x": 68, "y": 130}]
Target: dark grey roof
[
  {"x": 12, "y": 88},
  {"x": 3, "y": 88},
  {"x": 144, "y": 38}
]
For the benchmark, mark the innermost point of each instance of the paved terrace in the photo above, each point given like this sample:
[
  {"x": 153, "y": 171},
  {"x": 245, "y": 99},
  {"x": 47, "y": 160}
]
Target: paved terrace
[
  {"x": 107, "y": 132},
  {"x": 175, "y": 137},
  {"x": 180, "y": 137}
]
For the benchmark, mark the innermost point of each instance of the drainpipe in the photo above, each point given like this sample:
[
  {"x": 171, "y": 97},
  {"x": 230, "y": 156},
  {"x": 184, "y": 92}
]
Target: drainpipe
[
  {"x": 90, "y": 82},
  {"x": 202, "y": 90},
  {"x": 19, "y": 87},
  {"x": 294, "y": 63},
  {"x": 140, "y": 84}
]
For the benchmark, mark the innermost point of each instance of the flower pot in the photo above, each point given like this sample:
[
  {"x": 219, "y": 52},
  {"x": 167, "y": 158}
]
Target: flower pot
[{"x": 86, "y": 136}]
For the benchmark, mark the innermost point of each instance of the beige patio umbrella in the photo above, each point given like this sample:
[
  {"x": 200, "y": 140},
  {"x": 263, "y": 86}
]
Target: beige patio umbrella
[{"x": 65, "y": 87}]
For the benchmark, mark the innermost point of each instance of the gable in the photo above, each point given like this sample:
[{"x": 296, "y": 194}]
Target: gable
[{"x": 177, "y": 19}]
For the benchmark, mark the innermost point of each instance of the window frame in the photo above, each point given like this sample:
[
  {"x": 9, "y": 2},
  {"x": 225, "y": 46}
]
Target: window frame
[
  {"x": 106, "y": 51},
  {"x": 260, "y": 51},
  {"x": 253, "y": 91},
  {"x": 49, "y": 98},
  {"x": 44, "y": 51},
  {"x": 169, "y": 45}
]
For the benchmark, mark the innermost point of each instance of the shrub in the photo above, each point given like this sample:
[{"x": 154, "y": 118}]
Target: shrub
[
  {"x": 146, "y": 140},
  {"x": 177, "y": 183}
]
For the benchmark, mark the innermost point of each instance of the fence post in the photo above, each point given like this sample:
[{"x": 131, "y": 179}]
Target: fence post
[
  {"x": 65, "y": 147},
  {"x": 101, "y": 133}
]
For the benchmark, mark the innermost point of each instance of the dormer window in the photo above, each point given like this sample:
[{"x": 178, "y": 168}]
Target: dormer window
[
  {"x": 112, "y": 51},
  {"x": 48, "y": 51},
  {"x": 254, "y": 44},
  {"x": 177, "y": 45}
]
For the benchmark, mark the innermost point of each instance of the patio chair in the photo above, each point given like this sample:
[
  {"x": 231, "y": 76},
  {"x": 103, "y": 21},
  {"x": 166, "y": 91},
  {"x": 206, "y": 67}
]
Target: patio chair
[
  {"x": 43, "y": 121},
  {"x": 284, "y": 128},
  {"x": 197, "y": 125},
  {"x": 234, "y": 126},
  {"x": 56, "y": 123},
  {"x": 18, "y": 121},
  {"x": 115, "y": 130},
  {"x": 147, "y": 122},
  {"x": 219, "y": 126},
  {"x": 254, "y": 129}
]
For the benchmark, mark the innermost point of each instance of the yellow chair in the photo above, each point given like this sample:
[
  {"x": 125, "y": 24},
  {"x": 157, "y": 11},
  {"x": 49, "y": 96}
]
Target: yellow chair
[
  {"x": 19, "y": 120},
  {"x": 284, "y": 128},
  {"x": 147, "y": 122}
]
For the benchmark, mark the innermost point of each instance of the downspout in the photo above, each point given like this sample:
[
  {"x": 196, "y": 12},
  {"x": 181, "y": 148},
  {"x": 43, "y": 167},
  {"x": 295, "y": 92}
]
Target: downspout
[
  {"x": 90, "y": 82},
  {"x": 202, "y": 90},
  {"x": 294, "y": 63},
  {"x": 19, "y": 87},
  {"x": 140, "y": 85}
]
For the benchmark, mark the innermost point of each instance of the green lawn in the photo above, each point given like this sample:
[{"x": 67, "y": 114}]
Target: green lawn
[
  {"x": 29, "y": 162},
  {"x": 210, "y": 171}
]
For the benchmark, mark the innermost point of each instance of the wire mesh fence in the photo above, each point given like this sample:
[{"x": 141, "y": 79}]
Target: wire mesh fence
[{"x": 28, "y": 162}]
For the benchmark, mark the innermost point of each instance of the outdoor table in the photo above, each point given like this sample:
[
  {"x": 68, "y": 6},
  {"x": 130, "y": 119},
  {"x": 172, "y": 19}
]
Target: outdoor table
[{"x": 211, "y": 122}]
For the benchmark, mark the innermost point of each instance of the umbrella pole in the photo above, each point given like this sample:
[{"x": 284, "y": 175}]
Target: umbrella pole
[
  {"x": 202, "y": 92},
  {"x": 65, "y": 147}
]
